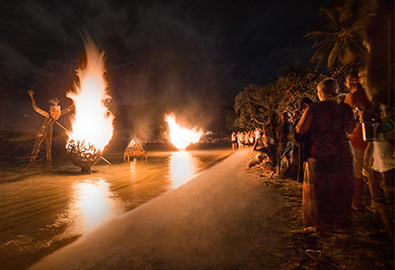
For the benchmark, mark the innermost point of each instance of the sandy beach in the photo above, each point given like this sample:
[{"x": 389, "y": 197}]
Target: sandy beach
[{"x": 221, "y": 219}]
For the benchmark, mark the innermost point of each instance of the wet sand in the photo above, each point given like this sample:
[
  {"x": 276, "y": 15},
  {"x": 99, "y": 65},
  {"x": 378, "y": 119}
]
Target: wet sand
[
  {"x": 43, "y": 209},
  {"x": 221, "y": 219}
]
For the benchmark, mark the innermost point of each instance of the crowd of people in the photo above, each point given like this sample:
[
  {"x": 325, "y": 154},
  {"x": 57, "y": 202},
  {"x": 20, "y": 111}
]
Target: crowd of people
[
  {"x": 335, "y": 147},
  {"x": 277, "y": 147}
]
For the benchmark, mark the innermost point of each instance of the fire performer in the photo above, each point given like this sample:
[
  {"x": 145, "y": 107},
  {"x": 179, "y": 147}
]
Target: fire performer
[{"x": 45, "y": 132}]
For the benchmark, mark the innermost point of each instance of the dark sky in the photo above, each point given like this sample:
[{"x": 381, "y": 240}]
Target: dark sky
[{"x": 155, "y": 50}]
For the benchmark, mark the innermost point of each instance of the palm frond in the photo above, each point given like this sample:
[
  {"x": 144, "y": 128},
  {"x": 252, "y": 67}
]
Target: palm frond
[
  {"x": 327, "y": 40},
  {"x": 359, "y": 23},
  {"x": 334, "y": 54},
  {"x": 333, "y": 16},
  {"x": 318, "y": 33},
  {"x": 322, "y": 51}
]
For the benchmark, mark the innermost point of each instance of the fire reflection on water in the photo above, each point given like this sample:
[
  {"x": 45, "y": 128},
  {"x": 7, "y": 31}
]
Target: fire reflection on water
[
  {"x": 182, "y": 168},
  {"x": 66, "y": 206},
  {"x": 93, "y": 202},
  {"x": 133, "y": 171}
]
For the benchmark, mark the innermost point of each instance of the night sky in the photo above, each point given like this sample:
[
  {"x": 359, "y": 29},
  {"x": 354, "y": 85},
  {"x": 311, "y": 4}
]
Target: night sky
[{"x": 156, "y": 51}]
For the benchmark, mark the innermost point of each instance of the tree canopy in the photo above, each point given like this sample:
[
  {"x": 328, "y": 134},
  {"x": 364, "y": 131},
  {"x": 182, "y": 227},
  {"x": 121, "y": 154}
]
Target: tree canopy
[
  {"x": 257, "y": 103},
  {"x": 343, "y": 40}
]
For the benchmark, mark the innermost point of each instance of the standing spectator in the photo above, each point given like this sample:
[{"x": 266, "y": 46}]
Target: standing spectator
[
  {"x": 302, "y": 140},
  {"x": 329, "y": 170},
  {"x": 240, "y": 139},
  {"x": 379, "y": 166},
  {"x": 234, "y": 140},
  {"x": 292, "y": 171},
  {"x": 358, "y": 100},
  {"x": 296, "y": 116},
  {"x": 285, "y": 144},
  {"x": 305, "y": 103},
  {"x": 252, "y": 138},
  {"x": 270, "y": 126},
  {"x": 257, "y": 133},
  {"x": 246, "y": 138}
]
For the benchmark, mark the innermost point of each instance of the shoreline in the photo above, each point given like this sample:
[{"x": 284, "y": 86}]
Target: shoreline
[
  {"x": 221, "y": 219},
  {"x": 182, "y": 230}
]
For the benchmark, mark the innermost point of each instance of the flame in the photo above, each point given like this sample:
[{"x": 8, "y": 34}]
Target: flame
[
  {"x": 92, "y": 121},
  {"x": 181, "y": 137},
  {"x": 132, "y": 143}
]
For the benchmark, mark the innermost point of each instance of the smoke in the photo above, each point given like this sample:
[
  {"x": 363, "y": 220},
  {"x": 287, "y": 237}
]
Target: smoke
[
  {"x": 154, "y": 52},
  {"x": 171, "y": 67},
  {"x": 170, "y": 61}
]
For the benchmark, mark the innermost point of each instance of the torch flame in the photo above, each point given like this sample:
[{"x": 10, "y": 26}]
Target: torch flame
[
  {"x": 92, "y": 121},
  {"x": 181, "y": 137}
]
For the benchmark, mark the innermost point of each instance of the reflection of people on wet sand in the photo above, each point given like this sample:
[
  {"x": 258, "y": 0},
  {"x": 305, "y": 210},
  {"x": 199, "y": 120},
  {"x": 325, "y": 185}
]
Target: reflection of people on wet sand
[
  {"x": 45, "y": 132},
  {"x": 134, "y": 149}
]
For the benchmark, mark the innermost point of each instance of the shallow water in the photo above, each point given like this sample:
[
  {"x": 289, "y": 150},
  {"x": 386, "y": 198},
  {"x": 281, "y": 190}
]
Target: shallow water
[{"x": 43, "y": 209}]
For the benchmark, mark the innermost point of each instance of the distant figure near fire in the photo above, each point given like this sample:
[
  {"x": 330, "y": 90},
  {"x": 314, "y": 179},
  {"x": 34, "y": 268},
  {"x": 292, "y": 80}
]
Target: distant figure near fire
[
  {"x": 45, "y": 132},
  {"x": 134, "y": 149}
]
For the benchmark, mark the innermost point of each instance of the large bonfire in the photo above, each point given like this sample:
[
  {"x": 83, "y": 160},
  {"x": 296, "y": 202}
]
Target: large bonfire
[
  {"x": 92, "y": 126},
  {"x": 181, "y": 137}
]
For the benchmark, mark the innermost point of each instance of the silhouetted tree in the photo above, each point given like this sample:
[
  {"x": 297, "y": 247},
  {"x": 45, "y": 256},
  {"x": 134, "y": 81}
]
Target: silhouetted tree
[
  {"x": 256, "y": 104},
  {"x": 342, "y": 42}
]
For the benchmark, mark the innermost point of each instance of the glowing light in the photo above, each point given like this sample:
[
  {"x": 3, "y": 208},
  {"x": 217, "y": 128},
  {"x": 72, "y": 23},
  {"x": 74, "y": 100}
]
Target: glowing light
[
  {"x": 181, "y": 137},
  {"x": 182, "y": 168},
  {"x": 93, "y": 202},
  {"x": 92, "y": 121}
]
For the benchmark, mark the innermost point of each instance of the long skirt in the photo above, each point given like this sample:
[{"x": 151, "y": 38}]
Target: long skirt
[{"x": 327, "y": 198}]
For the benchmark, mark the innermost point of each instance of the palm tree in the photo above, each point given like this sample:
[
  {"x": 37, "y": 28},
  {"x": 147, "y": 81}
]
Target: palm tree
[{"x": 343, "y": 40}]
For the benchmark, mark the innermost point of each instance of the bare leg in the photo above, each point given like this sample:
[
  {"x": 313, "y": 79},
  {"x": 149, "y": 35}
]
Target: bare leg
[{"x": 357, "y": 200}]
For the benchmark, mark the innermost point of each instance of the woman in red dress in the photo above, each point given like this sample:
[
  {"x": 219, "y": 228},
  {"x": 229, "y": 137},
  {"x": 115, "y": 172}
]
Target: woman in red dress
[{"x": 329, "y": 169}]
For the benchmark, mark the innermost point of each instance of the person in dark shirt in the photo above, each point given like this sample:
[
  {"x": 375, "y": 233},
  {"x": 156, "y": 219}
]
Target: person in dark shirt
[
  {"x": 285, "y": 145},
  {"x": 301, "y": 141},
  {"x": 292, "y": 171}
]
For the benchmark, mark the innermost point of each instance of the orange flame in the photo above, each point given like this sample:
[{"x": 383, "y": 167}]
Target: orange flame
[
  {"x": 92, "y": 121},
  {"x": 181, "y": 137}
]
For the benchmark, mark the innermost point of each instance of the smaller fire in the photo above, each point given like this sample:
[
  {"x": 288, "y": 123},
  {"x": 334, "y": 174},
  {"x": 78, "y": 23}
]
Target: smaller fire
[
  {"x": 181, "y": 137},
  {"x": 134, "y": 149}
]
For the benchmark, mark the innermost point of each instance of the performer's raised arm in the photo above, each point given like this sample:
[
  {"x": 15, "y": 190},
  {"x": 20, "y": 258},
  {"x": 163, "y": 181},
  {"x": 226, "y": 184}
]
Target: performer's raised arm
[{"x": 34, "y": 104}]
